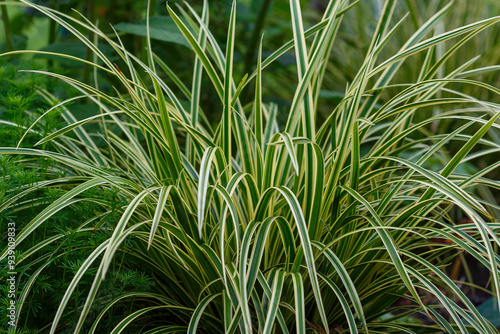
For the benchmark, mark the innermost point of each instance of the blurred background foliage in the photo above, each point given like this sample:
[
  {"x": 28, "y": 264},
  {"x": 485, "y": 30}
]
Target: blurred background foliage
[{"x": 27, "y": 29}]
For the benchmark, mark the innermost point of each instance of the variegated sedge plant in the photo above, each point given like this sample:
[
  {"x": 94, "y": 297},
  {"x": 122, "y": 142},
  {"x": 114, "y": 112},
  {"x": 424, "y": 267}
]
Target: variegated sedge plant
[
  {"x": 252, "y": 226},
  {"x": 350, "y": 47}
]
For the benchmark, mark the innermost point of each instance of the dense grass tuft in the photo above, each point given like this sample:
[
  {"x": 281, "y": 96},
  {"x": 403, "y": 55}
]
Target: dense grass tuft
[{"x": 253, "y": 226}]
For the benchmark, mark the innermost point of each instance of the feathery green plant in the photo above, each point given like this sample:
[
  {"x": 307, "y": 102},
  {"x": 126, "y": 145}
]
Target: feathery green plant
[{"x": 250, "y": 227}]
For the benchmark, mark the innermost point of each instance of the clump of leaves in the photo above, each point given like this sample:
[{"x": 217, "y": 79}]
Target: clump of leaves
[
  {"x": 243, "y": 227},
  {"x": 22, "y": 102}
]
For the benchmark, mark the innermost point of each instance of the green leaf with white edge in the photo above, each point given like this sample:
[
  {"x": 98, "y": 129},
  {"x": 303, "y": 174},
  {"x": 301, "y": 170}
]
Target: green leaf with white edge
[
  {"x": 21, "y": 299},
  {"x": 131, "y": 317},
  {"x": 346, "y": 280},
  {"x": 74, "y": 282},
  {"x": 351, "y": 320},
  {"x": 162, "y": 201},
  {"x": 388, "y": 243},
  {"x": 300, "y": 312},
  {"x": 442, "y": 183},
  {"x": 204, "y": 174},
  {"x": 258, "y": 99},
  {"x": 267, "y": 290},
  {"x": 120, "y": 228},
  {"x": 446, "y": 302},
  {"x": 245, "y": 247},
  {"x": 197, "y": 74},
  {"x": 167, "y": 330},
  {"x": 228, "y": 310},
  {"x": 133, "y": 295},
  {"x": 99, "y": 277},
  {"x": 199, "y": 52},
  {"x": 62, "y": 202},
  {"x": 227, "y": 93},
  {"x": 290, "y": 147},
  {"x": 457, "y": 158},
  {"x": 304, "y": 239},
  {"x": 228, "y": 203},
  {"x": 451, "y": 285},
  {"x": 260, "y": 246},
  {"x": 277, "y": 289},
  {"x": 198, "y": 312},
  {"x": 72, "y": 126},
  {"x": 435, "y": 40}
]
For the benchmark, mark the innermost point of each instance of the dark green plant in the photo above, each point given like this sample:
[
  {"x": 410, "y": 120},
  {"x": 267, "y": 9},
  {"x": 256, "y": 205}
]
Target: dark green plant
[{"x": 20, "y": 105}]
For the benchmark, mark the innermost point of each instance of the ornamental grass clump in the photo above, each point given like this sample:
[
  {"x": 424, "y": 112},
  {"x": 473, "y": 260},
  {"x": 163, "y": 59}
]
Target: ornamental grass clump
[{"x": 251, "y": 226}]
